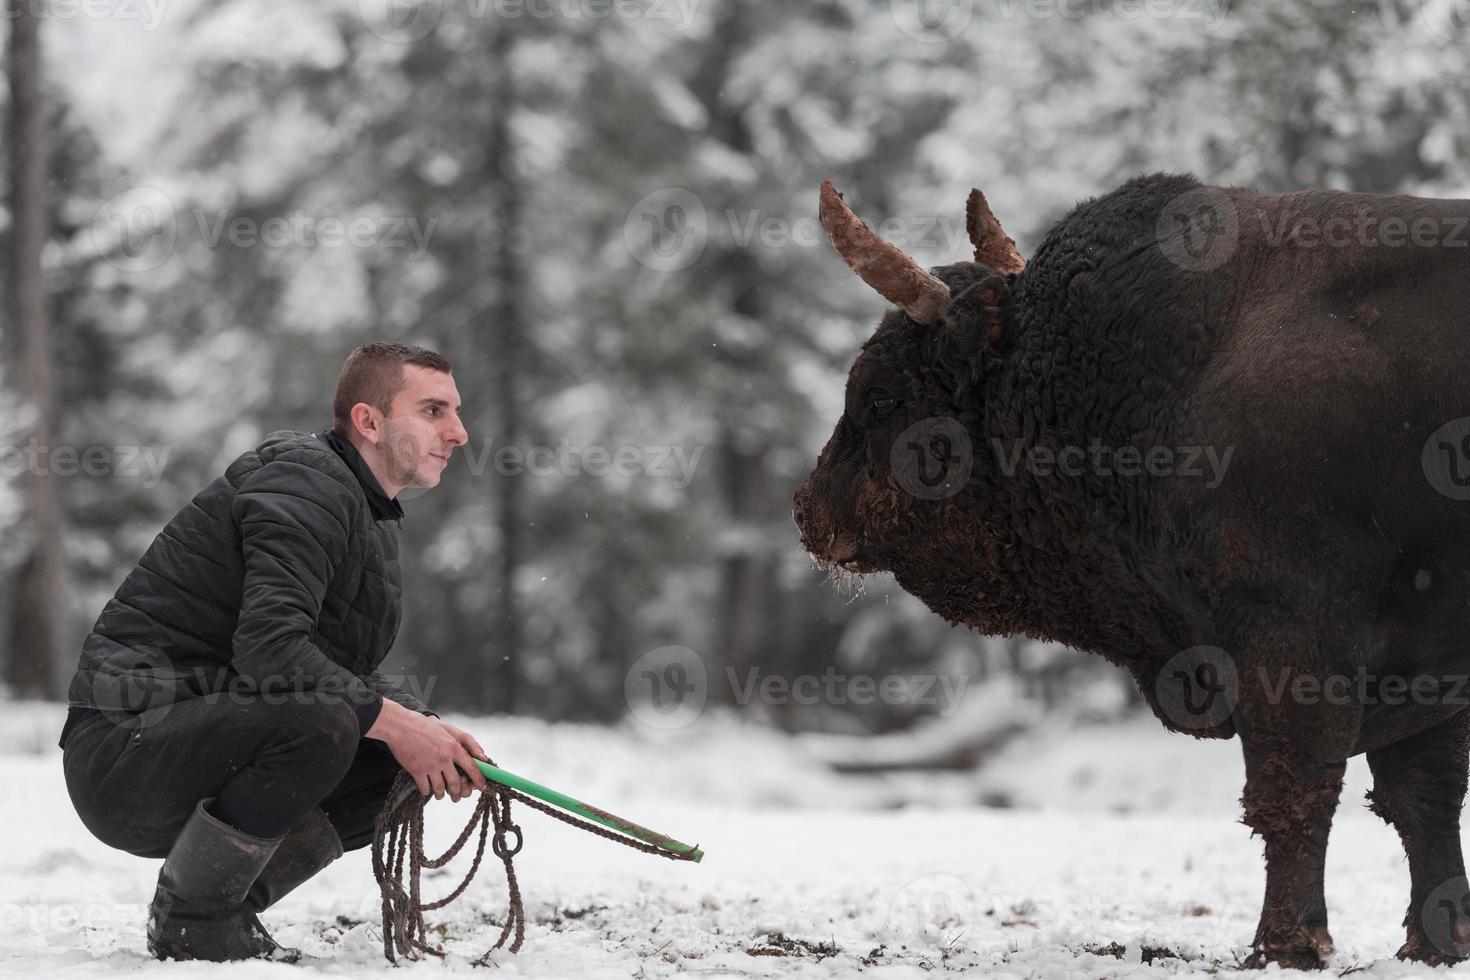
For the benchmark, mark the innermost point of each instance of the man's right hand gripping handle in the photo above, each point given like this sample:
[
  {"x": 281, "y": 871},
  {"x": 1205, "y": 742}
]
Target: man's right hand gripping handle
[{"x": 439, "y": 756}]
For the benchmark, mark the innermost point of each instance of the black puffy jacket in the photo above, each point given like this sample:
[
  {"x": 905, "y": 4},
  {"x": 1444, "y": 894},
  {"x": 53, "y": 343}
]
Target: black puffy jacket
[{"x": 279, "y": 577}]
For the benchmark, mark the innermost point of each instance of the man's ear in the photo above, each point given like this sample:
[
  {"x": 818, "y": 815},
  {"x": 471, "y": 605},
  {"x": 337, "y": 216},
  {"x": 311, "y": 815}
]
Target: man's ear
[
  {"x": 365, "y": 419},
  {"x": 982, "y": 317}
]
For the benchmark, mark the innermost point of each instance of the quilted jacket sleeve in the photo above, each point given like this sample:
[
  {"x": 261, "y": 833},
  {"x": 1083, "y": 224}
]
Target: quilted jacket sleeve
[
  {"x": 293, "y": 520},
  {"x": 379, "y": 682}
]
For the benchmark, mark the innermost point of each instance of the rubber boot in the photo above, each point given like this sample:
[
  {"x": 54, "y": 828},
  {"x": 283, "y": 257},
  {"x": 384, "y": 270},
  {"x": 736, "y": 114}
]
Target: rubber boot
[
  {"x": 199, "y": 910},
  {"x": 307, "y": 848}
]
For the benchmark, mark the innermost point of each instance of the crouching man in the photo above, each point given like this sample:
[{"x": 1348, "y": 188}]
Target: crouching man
[{"x": 227, "y": 713}]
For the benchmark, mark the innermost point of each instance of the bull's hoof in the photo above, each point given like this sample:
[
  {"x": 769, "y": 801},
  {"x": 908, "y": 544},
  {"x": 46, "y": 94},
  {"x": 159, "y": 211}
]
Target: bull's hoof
[
  {"x": 1287, "y": 959},
  {"x": 1303, "y": 949},
  {"x": 1423, "y": 951}
]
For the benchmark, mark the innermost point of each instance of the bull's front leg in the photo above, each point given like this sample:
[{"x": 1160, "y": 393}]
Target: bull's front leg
[{"x": 1296, "y": 736}]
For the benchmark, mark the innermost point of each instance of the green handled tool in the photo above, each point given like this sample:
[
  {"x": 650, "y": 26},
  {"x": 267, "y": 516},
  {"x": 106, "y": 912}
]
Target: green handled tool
[{"x": 663, "y": 842}]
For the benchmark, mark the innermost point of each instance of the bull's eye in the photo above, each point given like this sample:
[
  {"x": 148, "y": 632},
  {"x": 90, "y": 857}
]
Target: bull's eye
[{"x": 881, "y": 405}]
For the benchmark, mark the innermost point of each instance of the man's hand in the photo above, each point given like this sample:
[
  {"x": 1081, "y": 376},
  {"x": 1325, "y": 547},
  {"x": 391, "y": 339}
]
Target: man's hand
[{"x": 438, "y": 756}]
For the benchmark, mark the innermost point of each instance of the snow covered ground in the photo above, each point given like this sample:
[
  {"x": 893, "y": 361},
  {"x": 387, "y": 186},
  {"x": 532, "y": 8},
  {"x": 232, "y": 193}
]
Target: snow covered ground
[{"x": 1121, "y": 857}]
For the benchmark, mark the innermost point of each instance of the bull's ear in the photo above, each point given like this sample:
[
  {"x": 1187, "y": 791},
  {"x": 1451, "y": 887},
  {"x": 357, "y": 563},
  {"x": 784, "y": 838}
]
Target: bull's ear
[{"x": 982, "y": 316}]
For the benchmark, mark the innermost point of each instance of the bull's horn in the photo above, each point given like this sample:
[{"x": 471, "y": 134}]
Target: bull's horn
[
  {"x": 993, "y": 247},
  {"x": 885, "y": 267}
]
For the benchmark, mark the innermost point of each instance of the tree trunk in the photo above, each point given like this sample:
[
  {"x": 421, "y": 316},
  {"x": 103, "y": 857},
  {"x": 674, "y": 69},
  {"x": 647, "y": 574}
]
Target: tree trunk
[
  {"x": 35, "y": 626},
  {"x": 507, "y": 319},
  {"x": 740, "y": 602},
  {"x": 750, "y": 610}
]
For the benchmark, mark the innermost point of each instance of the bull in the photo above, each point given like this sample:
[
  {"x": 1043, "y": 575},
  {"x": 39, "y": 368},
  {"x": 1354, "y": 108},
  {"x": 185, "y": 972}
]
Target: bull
[{"x": 1012, "y": 451}]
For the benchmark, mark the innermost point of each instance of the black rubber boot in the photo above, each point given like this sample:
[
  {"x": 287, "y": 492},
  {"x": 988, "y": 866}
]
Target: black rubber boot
[
  {"x": 199, "y": 910},
  {"x": 307, "y": 848}
]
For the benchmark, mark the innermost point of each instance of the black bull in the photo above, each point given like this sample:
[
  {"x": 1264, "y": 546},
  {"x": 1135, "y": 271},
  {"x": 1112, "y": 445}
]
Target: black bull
[{"x": 1010, "y": 450}]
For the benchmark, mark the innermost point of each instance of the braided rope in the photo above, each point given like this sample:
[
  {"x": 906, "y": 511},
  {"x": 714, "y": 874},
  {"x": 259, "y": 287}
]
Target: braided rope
[{"x": 400, "y": 835}]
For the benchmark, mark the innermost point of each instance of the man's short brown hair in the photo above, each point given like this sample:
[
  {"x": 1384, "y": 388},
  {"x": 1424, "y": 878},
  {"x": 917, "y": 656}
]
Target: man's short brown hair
[{"x": 374, "y": 374}]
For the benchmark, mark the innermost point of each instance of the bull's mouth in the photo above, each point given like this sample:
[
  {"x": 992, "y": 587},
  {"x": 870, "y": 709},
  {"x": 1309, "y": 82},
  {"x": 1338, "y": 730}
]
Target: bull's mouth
[{"x": 844, "y": 552}]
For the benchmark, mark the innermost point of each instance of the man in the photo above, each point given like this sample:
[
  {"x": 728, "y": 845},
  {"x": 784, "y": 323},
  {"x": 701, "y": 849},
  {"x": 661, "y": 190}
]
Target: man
[{"x": 227, "y": 713}]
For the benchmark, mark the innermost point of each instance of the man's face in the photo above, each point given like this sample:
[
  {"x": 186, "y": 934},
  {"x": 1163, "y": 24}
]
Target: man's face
[{"x": 422, "y": 429}]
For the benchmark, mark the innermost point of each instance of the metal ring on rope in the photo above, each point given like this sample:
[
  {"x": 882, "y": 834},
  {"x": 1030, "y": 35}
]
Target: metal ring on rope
[{"x": 498, "y": 843}]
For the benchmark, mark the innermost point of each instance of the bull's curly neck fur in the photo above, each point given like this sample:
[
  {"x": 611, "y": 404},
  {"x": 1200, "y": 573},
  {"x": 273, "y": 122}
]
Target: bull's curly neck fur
[{"x": 1069, "y": 558}]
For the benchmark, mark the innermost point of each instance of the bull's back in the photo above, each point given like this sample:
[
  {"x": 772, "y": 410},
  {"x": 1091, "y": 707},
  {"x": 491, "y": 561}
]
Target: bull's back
[
  {"x": 1348, "y": 350},
  {"x": 1340, "y": 384}
]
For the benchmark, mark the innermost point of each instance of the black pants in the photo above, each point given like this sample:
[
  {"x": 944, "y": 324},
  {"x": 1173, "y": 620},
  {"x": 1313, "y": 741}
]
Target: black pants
[{"x": 134, "y": 780}]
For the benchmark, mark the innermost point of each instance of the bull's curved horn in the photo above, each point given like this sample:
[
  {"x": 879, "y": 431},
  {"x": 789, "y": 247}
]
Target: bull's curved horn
[
  {"x": 993, "y": 247},
  {"x": 885, "y": 267}
]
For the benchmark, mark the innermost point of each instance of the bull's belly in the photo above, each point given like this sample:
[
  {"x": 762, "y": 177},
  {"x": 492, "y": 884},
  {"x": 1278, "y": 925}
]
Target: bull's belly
[
  {"x": 1384, "y": 725},
  {"x": 1417, "y": 673}
]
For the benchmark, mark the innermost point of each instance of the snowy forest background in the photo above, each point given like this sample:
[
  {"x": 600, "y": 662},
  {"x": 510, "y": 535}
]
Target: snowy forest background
[{"x": 604, "y": 213}]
